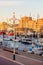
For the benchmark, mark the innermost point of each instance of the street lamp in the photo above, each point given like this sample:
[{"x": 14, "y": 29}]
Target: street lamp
[
  {"x": 13, "y": 19},
  {"x": 13, "y": 27},
  {"x": 14, "y": 33}
]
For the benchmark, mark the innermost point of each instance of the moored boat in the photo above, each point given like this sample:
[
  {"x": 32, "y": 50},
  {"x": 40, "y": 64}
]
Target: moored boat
[{"x": 26, "y": 40}]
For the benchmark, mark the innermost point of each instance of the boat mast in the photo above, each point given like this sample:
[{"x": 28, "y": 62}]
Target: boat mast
[
  {"x": 38, "y": 31},
  {"x": 25, "y": 26},
  {"x": 14, "y": 24}
]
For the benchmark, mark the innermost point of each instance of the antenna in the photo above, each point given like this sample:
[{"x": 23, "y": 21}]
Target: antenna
[
  {"x": 30, "y": 14},
  {"x": 38, "y": 16}
]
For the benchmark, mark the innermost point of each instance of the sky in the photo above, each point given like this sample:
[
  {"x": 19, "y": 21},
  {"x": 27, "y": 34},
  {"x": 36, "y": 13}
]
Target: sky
[{"x": 21, "y": 8}]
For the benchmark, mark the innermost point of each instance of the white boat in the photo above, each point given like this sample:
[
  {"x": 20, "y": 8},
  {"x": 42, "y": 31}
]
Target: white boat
[
  {"x": 1, "y": 38},
  {"x": 16, "y": 39},
  {"x": 38, "y": 50},
  {"x": 29, "y": 49},
  {"x": 39, "y": 42},
  {"x": 26, "y": 40}
]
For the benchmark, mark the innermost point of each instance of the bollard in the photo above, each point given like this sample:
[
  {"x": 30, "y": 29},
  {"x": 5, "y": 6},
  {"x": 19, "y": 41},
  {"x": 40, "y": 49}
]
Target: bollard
[{"x": 13, "y": 56}]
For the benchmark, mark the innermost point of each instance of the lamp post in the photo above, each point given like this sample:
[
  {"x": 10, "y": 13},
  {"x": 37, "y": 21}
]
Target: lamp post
[
  {"x": 13, "y": 27},
  {"x": 14, "y": 36}
]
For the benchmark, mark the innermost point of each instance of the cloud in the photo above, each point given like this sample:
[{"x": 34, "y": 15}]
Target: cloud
[{"x": 11, "y": 3}]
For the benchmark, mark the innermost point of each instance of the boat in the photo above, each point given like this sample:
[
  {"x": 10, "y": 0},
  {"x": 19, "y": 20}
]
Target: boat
[
  {"x": 29, "y": 49},
  {"x": 16, "y": 39},
  {"x": 1, "y": 36},
  {"x": 38, "y": 50},
  {"x": 26, "y": 40},
  {"x": 39, "y": 42}
]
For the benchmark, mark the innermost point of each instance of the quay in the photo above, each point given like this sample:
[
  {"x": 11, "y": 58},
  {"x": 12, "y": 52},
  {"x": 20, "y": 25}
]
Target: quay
[{"x": 23, "y": 57}]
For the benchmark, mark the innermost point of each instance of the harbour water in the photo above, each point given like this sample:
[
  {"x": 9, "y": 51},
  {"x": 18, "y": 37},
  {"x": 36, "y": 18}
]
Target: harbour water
[{"x": 20, "y": 45}]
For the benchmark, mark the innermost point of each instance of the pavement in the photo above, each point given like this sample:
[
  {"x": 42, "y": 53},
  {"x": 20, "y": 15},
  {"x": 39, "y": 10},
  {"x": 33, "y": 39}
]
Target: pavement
[
  {"x": 28, "y": 61},
  {"x": 24, "y": 58},
  {"x": 6, "y": 61}
]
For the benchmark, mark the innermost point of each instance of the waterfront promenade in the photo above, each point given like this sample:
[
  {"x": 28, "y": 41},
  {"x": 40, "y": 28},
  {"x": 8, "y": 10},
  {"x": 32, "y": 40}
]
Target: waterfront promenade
[
  {"x": 7, "y": 61},
  {"x": 23, "y": 57}
]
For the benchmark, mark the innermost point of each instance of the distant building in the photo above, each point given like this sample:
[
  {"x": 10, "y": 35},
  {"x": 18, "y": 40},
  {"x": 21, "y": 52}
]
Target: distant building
[{"x": 23, "y": 25}]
